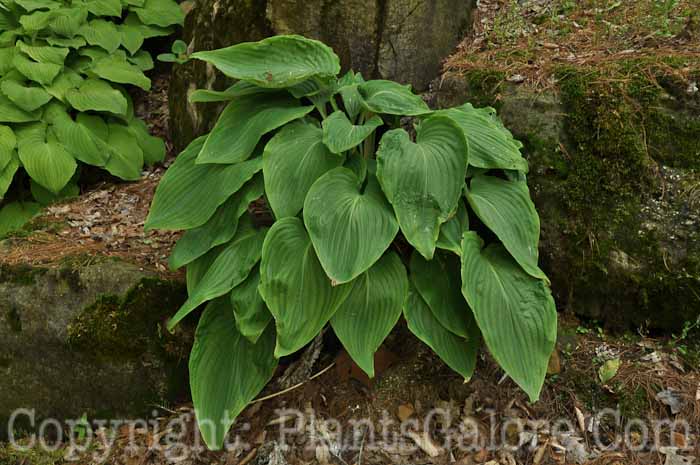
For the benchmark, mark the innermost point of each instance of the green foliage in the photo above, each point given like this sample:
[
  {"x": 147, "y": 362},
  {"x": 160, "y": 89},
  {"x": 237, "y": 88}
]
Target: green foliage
[
  {"x": 343, "y": 174},
  {"x": 62, "y": 66}
]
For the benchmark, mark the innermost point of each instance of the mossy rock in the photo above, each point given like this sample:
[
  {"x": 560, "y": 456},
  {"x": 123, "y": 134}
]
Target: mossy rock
[
  {"x": 402, "y": 40},
  {"x": 89, "y": 338},
  {"x": 615, "y": 174}
]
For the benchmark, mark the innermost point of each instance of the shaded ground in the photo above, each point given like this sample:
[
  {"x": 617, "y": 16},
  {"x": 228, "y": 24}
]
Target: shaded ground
[{"x": 654, "y": 381}]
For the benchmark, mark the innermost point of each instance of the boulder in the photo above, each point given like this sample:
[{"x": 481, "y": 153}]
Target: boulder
[
  {"x": 88, "y": 337},
  {"x": 615, "y": 175},
  {"x": 402, "y": 40}
]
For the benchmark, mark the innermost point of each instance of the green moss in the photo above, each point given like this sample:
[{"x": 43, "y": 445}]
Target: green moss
[
  {"x": 19, "y": 274},
  {"x": 634, "y": 403},
  {"x": 115, "y": 327},
  {"x": 483, "y": 87},
  {"x": 606, "y": 177},
  {"x": 33, "y": 456}
]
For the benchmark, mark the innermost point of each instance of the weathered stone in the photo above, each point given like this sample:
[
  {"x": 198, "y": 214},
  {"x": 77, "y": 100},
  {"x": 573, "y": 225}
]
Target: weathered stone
[
  {"x": 88, "y": 339},
  {"x": 614, "y": 175},
  {"x": 417, "y": 35},
  {"x": 402, "y": 40},
  {"x": 351, "y": 27}
]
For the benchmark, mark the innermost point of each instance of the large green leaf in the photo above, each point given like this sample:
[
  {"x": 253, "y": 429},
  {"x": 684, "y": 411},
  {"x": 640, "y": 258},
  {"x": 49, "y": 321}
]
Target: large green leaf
[
  {"x": 15, "y": 215},
  {"x": 66, "y": 22},
  {"x": 220, "y": 228},
  {"x": 391, "y": 98},
  {"x": 350, "y": 228},
  {"x": 142, "y": 59},
  {"x": 161, "y": 13},
  {"x": 102, "y": 33},
  {"x": 8, "y": 145},
  {"x": 515, "y": 312},
  {"x": 423, "y": 180},
  {"x": 7, "y": 173},
  {"x": 104, "y": 7},
  {"x": 134, "y": 32},
  {"x": 26, "y": 97},
  {"x": 131, "y": 37},
  {"x": 491, "y": 145},
  {"x": 438, "y": 283},
  {"x": 451, "y": 232},
  {"x": 125, "y": 155},
  {"x": 97, "y": 95},
  {"x": 189, "y": 193},
  {"x": 275, "y": 62},
  {"x": 77, "y": 137},
  {"x": 198, "y": 268},
  {"x": 43, "y": 73},
  {"x": 371, "y": 310},
  {"x": 347, "y": 88},
  {"x": 116, "y": 68},
  {"x": 506, "y": 209},
  {"x": 43, "y": 157},
  {"x": 44, "y": 54},
  {"x": 239, "y": 89},
  {"x": 340, "y": 135},
  {"x": 242, "y": 124},
  {"x": 7, "y": 55},
  {"x": 11, "y": 113},
  {"x": 292, "y": 161},
  {"x": 296, "y": 290},
  {"x": 64, "y": 82},
  {"x": 36, "y": 21},
  {"x": 32, "y": 5},
  {"x": 153, "y": 147},
  {"x": 227, "y": 371},
  {"x": 72, "y": 42},
  {"x": 457, "y": 352},
  {"x": 252, "y": 315},
  {"x": 230, "y": 268}
]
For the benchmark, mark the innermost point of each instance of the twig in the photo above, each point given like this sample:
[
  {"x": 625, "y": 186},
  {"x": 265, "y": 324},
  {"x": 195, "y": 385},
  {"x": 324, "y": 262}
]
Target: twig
[{"x": 298, "y": 385}]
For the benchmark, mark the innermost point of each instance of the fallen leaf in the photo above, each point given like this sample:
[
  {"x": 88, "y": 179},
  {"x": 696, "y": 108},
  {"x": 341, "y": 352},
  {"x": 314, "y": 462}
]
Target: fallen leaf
[
  {"x": 608, "y": 370},
  {"x": 554, "y": 366},
  {"x": 672, "y": 399},
  {"x": 405, "y": 412},
  {"x": 581, "y": 419}
]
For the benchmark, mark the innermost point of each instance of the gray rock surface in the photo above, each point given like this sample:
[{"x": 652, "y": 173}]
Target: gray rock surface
[
  {"x": 88, "y": 338},
  {"x": 402, "y": 40},
  {"x": 617, "y": 191}
]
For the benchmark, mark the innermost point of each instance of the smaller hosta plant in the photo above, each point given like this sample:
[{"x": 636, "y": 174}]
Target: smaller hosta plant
[
  {"x": 372, "y": 220},
  {"x": 64, "y": 65},
  {"x": 178, "y": 53}
]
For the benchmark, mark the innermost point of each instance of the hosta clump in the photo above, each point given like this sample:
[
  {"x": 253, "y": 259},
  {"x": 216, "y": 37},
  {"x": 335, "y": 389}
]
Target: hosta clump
[
  {"x": 63, "y": 65},
  {"x": 345, "y": 181}
]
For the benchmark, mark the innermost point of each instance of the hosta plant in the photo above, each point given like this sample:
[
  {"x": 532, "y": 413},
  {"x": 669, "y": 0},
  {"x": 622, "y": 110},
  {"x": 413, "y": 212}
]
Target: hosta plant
[
  {"x": 381, "y": 207},
  {"x": 64, "y": 65}
]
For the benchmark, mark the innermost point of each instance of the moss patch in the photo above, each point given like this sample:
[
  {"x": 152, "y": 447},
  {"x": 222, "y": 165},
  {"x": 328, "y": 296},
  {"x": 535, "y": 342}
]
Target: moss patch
[
  {"x": 33, "y": 456},
  {"x": 19, "y": 274},
  {"x": 124, "y": 327},
  {"x": 613, "y": 181}
]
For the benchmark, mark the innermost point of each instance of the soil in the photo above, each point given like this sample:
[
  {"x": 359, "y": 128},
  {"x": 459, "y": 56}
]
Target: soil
[{"x": 413, "y": 382}]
